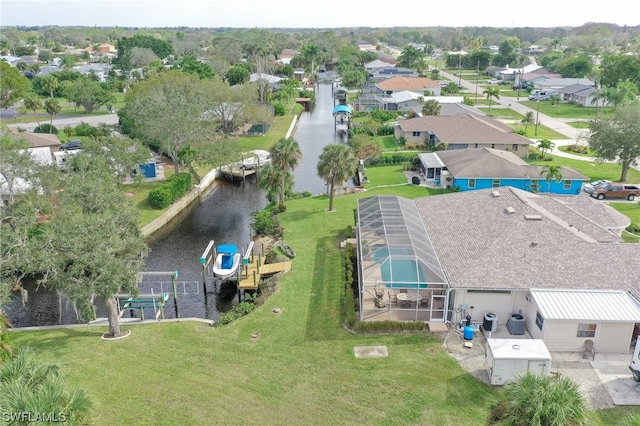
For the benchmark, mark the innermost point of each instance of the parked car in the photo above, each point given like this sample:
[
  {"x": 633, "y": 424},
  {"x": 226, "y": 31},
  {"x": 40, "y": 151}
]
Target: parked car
[
  {"x": 493, "y": 81},
  {"x": 589, "y": 187},
  {"x": 617, "y": 190},
  {"x": 72, "y": 144}
]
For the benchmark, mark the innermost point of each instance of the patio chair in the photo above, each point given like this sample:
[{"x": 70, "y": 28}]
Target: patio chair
[
  {"x": 379, "y": 303},
  {"x": 589, "y": 350},
  {"x": 379, "y": 292},
  {"x": 392, "y": 298}
]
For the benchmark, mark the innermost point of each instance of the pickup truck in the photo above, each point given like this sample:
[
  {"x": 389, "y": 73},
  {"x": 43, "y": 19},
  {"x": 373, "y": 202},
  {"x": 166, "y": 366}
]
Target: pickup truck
[{"x": 616, "y": 190}]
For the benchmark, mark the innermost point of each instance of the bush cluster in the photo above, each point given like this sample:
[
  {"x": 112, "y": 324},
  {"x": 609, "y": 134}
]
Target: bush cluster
[
  {"x": 44, "y": 128},
  {"x": 172, "y": 189},
  {"x": 393, "y": 158},
  {"x": 240, "y": 310}
]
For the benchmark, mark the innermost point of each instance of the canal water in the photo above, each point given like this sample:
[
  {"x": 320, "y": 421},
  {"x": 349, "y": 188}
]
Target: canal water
[{"x": 224, "y": 214}]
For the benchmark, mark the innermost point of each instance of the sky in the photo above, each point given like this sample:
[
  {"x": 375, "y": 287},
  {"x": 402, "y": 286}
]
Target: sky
[{"x": 317, "y": 13}]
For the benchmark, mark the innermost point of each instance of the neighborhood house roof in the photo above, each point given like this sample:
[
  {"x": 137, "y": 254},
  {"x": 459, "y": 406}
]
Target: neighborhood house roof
[
  {"x": 494, "y": 163},
  {"x": 401, "y": 82},
  {"x": 587, "y": 305},
  {"x": 540, "y": 242},
  {"x": 465, "y": 128}
]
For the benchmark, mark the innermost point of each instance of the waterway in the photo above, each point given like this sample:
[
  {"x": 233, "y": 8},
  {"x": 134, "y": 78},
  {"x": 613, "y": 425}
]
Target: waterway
[{"x": 224, "y": 214}]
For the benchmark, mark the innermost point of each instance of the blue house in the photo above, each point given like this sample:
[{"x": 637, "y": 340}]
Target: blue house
[{"x": 483, "y": 168}]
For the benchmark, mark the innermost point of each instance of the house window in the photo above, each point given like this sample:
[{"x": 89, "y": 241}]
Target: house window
[
  {"x": 472, "y": 183},
  {"x": 416, "y": 134},
  {"x": 567, "y": 184},
  {"x": 586, "y": 330},
  {"x": 534, "y": 185},
  {"x": 539, "y": 320},
  {"x": 496, "y": 183},
  {"x": 514, "y": 146}
]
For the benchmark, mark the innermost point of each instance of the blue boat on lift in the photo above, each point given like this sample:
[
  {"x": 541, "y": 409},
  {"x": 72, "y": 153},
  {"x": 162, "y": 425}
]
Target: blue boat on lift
[{"x": 227, "y": 261}]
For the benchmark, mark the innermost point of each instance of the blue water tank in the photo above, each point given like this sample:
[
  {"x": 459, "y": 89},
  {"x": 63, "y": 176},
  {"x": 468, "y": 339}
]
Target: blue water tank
[{"x": 468, "y": 333}]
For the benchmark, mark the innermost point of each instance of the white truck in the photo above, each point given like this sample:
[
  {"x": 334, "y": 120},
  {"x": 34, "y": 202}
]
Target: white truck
[{"x": 635, "y": 362}]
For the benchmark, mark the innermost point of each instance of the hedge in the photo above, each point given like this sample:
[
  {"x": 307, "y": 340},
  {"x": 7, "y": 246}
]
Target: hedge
[{"x": 172, "y": 189}]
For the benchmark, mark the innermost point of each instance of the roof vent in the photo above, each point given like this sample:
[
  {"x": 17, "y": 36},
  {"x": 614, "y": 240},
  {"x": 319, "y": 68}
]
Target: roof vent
[
  {"x": 510, "y": 210},
  {"x": 532, "y": 217},
  {"x": 495, "y": 194}
]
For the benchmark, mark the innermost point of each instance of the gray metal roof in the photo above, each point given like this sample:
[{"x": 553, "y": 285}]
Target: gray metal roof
[{"x": 583, "y": 305}]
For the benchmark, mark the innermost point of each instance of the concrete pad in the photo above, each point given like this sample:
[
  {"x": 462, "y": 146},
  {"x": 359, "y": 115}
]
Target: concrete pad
[
  {"x": 370, "y": 351},
  {"x": 437, "y": 327},
  {"x": 622, "y": 388}
]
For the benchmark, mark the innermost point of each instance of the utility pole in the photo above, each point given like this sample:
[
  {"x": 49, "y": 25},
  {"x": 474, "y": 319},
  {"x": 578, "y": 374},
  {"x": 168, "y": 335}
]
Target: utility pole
[
  {"x": 459, "y": 69},
  {"x": 535, "y": 133},
  {"x": 477, "y": 77}
]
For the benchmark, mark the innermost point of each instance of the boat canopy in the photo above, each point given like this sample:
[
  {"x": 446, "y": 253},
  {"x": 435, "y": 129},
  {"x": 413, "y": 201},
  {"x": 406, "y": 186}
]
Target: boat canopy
[
  {"x": 342, "y": 108},
  {"x": 227, "y": 248}
]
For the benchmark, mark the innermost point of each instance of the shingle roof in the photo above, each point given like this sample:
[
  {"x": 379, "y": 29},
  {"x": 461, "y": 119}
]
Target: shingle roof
[
  {"x": 577, "y": 88},
  {"x": 37, "y": 140},
  {"x": 464, "y": 129},
  {"x": 481, "y": 245},
  {"x": 495, "y": 163}
]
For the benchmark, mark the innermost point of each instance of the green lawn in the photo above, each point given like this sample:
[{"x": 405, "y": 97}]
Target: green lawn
[
  {"x": 563, "y": 110},
  {"x": 301, "y": 369},
  {"x": 594, "y": 170},
  {"x": 565, "y": 148}
]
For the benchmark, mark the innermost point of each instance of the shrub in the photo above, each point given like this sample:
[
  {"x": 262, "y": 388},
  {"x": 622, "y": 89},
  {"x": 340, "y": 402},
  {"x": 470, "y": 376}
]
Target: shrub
[
  {"x": 44, "y": 128},
  {"x": 278, "y": 109},
  {"x": 85, "y": 129},
  {"x": 242, "y": 309},
  {"x": 160, "y": 198},
  {"x": 264, "y": 222},
  {"x": 69, "y": 131},
  {"x": 173, "y": 188}
]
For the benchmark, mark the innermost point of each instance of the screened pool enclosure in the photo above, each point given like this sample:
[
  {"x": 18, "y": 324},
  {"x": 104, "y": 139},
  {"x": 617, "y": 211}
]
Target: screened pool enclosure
[{"x": 400, "y": 277}]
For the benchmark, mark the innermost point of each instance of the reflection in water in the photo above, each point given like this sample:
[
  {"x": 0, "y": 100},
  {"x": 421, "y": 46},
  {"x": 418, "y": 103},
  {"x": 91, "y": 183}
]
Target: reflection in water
[{"x": 223, "y": 214}]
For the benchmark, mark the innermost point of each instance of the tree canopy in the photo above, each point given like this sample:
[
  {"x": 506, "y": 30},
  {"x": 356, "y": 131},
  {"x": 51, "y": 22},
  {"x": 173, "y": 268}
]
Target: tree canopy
[
  {"x": 87, "y": 93},
  {"x": 337, "y": 164},
  {"x": 617, "y": 139},
  {"x": 13, "y": 85}
]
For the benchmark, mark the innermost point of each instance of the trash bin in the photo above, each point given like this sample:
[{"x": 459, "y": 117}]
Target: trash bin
[{"x": 490, "y": 322}]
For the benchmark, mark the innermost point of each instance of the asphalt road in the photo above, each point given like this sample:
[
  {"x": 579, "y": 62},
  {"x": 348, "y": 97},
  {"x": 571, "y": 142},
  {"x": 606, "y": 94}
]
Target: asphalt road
[{"x": 61, "y": 122}]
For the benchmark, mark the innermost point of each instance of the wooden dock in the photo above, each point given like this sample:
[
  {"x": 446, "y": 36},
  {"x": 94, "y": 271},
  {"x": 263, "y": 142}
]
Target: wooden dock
[{"x": 250, "y": 276}]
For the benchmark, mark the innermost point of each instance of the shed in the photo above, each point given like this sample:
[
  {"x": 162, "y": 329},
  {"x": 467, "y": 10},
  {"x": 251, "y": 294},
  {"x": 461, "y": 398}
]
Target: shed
[
  {"x": 564, "y": 319},
  {"x": 509, "y": 358}
]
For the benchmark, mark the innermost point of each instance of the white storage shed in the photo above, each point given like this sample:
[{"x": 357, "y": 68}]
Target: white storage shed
[{"x": 509, "y": 358}]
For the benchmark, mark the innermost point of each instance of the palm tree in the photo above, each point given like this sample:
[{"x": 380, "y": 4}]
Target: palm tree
[
  {"x": 34, "y": 68},
  {"x": 545, "y": 145},
  {"x": 285, "y": 155},
  {"x": 411, "y": 57},
  {"x": 33, "y": 103},
  {"x": 271, "y": 179},
  {"x": 529, "y": 118},
  {"x": 27, "y": 386},
  {"x": 53, "y": 108},
  {"x": 21, "y": 66},
  {"x": 431, "y": 107},
  {"x": 491, "y": 92},
  {"x": 68, "y": 61},
  {"x": 535, "y": 399},
  {"x": 337, "y": 163},
  {"x": 50, "y": 84},
  {"x": 311, "y": 52},
  {"x": 551, "y": 173}
]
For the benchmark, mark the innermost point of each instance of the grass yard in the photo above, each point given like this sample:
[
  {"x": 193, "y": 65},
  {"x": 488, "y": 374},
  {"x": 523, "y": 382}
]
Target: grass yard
[
  {"x": 301, "y": 369},
  {"x": 594, "y": 170},
  {"x": 564, "y": 110},
  {"x": 590, "y": 153}
]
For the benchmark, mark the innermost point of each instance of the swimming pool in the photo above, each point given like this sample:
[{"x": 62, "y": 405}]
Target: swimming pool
[{"x": 398, "y": 273}]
